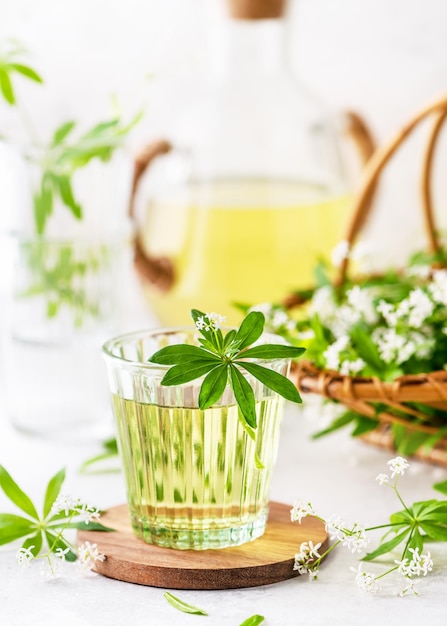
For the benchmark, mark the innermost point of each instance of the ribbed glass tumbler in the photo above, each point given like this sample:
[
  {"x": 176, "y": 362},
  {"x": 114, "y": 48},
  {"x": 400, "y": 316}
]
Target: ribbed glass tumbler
[{"x": 193, "y": 477}]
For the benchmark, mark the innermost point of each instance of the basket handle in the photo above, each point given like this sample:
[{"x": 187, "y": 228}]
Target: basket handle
[
  {"x": 157, "y": 270},
  {"x": 362, "y": 203}
]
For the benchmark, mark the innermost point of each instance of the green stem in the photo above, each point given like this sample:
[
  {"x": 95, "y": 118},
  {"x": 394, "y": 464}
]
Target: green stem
[
  {"x": 385, "y": 526},
  {"x": 389, "y": 571},
  {"x": 400, "y": 499}
]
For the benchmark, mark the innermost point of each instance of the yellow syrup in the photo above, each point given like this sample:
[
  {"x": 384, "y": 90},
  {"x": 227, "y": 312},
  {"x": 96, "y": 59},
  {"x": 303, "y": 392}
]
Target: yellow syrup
[{"x": 240, "y": 242}]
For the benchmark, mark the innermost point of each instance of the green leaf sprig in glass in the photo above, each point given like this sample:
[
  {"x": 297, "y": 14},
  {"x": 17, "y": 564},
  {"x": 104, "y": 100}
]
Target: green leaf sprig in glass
[{"x": 222, "y": 359}]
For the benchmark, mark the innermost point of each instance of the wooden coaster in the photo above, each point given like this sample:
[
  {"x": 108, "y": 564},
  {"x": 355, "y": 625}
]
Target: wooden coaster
[{"x": 266, "y": 560}]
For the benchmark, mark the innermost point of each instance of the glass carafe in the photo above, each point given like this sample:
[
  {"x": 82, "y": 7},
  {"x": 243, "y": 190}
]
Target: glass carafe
[{"x": 252, "y": 189}]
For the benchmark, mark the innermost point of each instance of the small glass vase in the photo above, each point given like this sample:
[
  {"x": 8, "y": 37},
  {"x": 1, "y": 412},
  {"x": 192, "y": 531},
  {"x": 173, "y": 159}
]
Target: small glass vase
[
  {"x": 193, "y": 477},
  {"x": 65, "y": 302}
]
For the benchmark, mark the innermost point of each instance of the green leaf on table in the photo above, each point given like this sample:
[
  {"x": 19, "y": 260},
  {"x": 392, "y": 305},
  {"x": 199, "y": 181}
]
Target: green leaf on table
[
  {"x": 274, "y": 381},
  {"x": 180, "y": 605},
  {"x": 52, "y": 491},
  {"x": 14, "y": 527},
  {"x": 97, "y": 526},
  {"x": 254, "y": 620},
  {"x": 387, "y": 546},
  {"x": 15, "y": 494},
  {"x": 34, "y": 543},
  {"x": 436, "y": 531}
]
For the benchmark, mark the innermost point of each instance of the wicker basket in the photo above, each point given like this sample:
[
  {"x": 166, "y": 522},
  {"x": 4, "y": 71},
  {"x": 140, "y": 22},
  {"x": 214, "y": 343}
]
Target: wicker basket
[{"x": 362, "y": 394}]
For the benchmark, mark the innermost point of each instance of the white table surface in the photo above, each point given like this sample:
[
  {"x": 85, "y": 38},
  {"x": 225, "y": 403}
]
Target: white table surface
[{"x": 336, "y": 474}]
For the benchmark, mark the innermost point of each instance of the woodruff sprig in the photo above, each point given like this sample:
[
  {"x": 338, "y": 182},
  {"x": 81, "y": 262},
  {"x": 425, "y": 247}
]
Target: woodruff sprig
[
  {"x": 44, "y": 535},
  {"x": 220, "y": 358},
  {"x": 410, "y": 528}
]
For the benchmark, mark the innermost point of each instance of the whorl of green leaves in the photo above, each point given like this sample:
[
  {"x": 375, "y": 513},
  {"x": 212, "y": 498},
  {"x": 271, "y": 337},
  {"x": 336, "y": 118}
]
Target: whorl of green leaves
[{"x": 221, "y": 359}]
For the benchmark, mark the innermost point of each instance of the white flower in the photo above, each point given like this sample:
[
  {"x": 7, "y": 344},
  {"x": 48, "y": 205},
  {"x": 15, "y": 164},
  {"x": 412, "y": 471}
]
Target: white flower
[
  {"x": 200, "y": 323},
  {"x": 398, "y": 465},
  {"x": 305, "y": 558},
  {"x": 88, "y": 553},
  {"x": 300, "y": 510},
  {"x": 362, "y": 301},
  {"x": 366, "y": 581},
  {"x": 64, "y": 503},
  {"x": 263, "y": 307},
  {"x": 410, "y": 587},
  {"x": 419, "y": 565},
  {"x": 323, "y": 304},
  {"x": 87, "y": 513},
  {"x": 419, "y": 271},
  {"x": 334, "y": 527},
  {"x": 59, "y": 553},
  {"x": 352, "y": 367},
  {"x": 24, "y": 556},
  {"x": 438, "y": 288},
  {"x": 340, "y": 253},
  {"x": 383, "y": 479},
  {"x": 332, "y": 353},
  {"x": 389, "y": 313},
  {"x": 215, "y": 321},
  {"x": 392, "y": 346},
  {"x": 421, "y": 307},
  {"x": 50, "y": 568},
  {"x": 355, "y": 538}
]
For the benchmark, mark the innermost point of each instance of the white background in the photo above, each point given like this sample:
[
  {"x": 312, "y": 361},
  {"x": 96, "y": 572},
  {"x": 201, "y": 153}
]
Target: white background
[{"x": 382, "y": 58}]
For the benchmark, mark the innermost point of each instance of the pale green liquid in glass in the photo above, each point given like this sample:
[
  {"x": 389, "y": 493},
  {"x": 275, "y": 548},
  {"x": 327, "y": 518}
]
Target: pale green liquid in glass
[{"x": 192, "y": 481}]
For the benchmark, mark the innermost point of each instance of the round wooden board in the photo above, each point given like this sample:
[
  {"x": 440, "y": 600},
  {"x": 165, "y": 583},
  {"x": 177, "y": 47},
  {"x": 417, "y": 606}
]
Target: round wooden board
[{"x": 266, "y": 560}]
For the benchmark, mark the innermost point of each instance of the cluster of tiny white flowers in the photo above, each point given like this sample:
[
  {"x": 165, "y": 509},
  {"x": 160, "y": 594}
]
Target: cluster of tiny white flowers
[
  {"x": 352, "y": 367},
  {"x": 65, "y": 503},
  {"x": 340, "y": 253},
  {"x": 393, "y": 346},
  {"x": 50, "y": 568},
  {"x": 383, "y": 479},
  {"x": 24, "y": 556},
  {"x": 88, "y": 554},
  {"x": 401, "y": 330},
  {"x": 210, "y": 321},
  {"x": 300, "y": 510},
  {"x": 438, "y": 287},
  {"x": 353, "y": 538},
  {"x": 398, "y": 465},
  {"x": 334, "y": 525},
  {"x": 365, "y": 581},
  {"x": 276, "y": 318},
  {"x": 70, "y": 505},
  {"x": 306, "y": 557},
  {"x": 418, "y": 565},
  {"x": 362, "y": 301}
]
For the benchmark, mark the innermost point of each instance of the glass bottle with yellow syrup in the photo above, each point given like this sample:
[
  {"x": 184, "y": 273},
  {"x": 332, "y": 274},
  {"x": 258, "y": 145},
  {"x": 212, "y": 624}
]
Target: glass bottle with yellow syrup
[{"x": 252, "y": 189}]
